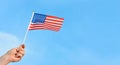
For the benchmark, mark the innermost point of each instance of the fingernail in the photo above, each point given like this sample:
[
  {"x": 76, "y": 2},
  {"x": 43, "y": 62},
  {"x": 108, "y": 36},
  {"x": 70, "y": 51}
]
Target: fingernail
[{"x": 23, "y": 46}]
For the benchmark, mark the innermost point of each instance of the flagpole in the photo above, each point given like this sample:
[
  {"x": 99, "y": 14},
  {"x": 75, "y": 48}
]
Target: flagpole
[{"x": 27, "y": 30}]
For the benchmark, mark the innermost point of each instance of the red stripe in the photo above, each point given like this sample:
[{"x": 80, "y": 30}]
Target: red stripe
[
  {"x": 36, "y": 29},
  {"x": 46, "y": 24},
  {"x": 50, "y": 23},
  {"x": 55, "y": 17},
  {"x": 46, "y": 27},
  {"x": 36, "y": 25},
  {"x": 48, "y": 18},
  {"x": 53, "y": 26},
  {"x": 53, "y": 20}
]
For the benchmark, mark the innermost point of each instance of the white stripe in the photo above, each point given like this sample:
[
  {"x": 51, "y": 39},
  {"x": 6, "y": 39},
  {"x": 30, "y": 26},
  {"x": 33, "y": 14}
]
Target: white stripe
[
  {"x": 54, "y": 19},
  {"x": 46, "y": 24},
  {"x": 52, "y": 24}
]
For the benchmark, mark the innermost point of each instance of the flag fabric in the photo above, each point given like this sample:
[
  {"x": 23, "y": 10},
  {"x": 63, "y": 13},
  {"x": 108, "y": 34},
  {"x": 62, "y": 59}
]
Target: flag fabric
[{"x": 45, "y": 22}]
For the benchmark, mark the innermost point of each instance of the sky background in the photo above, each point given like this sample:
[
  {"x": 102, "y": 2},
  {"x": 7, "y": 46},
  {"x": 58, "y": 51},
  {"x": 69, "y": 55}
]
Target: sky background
[{"x": 90, "y": 34}]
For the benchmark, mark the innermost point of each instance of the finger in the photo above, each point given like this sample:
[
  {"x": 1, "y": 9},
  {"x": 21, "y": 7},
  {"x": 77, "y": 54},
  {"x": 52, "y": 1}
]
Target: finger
[
  {"x": 17, "y": 50},
  {"x": 19, "y": 55},
  {"x": 22, "y": 52},
  {"x": 13, "y": 51},
  {"x": 21, "y": 47}
]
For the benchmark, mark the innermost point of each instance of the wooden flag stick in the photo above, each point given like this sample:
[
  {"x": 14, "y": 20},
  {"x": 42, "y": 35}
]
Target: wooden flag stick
[{"x": 27, "y": 29}]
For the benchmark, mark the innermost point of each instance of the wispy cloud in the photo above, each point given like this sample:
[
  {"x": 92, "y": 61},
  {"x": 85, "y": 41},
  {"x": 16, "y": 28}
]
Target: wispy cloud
[{"x": 7, "y": 41}]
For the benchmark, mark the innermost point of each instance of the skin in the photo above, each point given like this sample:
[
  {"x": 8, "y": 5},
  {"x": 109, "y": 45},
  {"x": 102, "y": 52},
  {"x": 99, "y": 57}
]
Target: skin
[{"x": 13, "y": 55}]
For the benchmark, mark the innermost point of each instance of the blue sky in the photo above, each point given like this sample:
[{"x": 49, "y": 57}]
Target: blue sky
[{"x": 90, "y": 34}]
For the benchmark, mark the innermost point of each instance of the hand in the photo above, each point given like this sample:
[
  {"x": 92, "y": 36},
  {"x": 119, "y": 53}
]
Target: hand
[
  {"x": 16, "y": 54},
  {"x": 13, "y": 55}
]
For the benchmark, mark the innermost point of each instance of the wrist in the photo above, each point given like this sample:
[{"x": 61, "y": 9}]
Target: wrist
[{"x": 4, "y": 60}]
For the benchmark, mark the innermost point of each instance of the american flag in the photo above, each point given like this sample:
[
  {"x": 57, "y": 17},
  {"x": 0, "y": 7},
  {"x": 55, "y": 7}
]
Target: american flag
[{"x": 45, "y": 22}]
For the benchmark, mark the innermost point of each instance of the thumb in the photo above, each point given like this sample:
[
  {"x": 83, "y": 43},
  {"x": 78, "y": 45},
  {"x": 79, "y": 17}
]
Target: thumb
[{"x": 21, "y": 47}]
